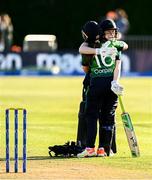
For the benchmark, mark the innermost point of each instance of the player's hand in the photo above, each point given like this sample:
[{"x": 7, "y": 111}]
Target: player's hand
[
  {"x": 108, "y": 51},
  {"x": 111, "y": 51},
  {"x": 116, "y": 88}
]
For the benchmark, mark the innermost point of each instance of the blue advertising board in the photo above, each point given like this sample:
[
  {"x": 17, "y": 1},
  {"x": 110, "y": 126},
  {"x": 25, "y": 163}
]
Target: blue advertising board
[{"x": 67, "y": 63}]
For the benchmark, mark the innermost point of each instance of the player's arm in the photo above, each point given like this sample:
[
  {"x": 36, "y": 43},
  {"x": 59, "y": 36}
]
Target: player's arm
[
  {"x": 85, "y": 69},
  {"x": 84, "y": 49},
  {"x": 121, "y": 45},
  {"x": 125, "y": 46},
  {"x": 117, "y": 71},
  {"x": 115, "y": 86}
]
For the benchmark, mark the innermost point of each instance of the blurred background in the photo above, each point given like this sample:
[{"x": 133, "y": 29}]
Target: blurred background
[{"x": 56, "y": 26}]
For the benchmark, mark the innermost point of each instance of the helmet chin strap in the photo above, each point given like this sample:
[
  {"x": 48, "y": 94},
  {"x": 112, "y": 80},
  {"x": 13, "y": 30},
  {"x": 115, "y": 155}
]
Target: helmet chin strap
[{"x": 85, "y": 37}]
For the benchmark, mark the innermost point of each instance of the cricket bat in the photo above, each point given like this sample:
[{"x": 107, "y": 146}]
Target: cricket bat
[{"x": 129, "y": 130}]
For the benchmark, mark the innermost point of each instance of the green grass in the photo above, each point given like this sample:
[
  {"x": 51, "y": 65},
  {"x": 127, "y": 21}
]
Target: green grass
[{"x": 52, "y": 104}]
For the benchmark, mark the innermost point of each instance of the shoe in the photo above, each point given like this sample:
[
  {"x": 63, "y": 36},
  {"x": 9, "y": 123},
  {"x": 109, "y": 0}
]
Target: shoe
[
  {"x": 88, "y": 152},
  {"x": 101, "y": 152},
  {"x": 111, "y": 153}
]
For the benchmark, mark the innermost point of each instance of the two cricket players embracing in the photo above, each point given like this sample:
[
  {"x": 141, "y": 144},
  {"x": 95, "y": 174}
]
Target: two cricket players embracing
[{"x": 101, "y": 51}]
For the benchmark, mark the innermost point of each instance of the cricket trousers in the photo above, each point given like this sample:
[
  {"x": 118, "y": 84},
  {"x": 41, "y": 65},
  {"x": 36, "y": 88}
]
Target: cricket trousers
[{"x": 101, "y": 99}]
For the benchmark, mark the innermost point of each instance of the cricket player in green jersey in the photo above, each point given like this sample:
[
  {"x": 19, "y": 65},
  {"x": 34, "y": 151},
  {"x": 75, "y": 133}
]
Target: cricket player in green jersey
[
  {"x": 91, "y": 34},
  {"x": 104, "y": 67}
]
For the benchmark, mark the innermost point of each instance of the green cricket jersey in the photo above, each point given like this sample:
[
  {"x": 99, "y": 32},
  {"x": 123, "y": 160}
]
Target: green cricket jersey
[{"x": 103, "y": 66}]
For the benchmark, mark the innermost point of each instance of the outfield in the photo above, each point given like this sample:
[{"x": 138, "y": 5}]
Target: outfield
[{"x": 52, "y": 104}]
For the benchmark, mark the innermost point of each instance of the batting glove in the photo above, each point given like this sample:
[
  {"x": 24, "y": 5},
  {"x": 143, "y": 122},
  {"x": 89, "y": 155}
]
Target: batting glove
[{"x": 116, "y": 88}]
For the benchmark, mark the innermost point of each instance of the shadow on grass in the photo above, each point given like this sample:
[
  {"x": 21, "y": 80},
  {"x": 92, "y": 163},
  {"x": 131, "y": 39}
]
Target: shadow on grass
[
  {"x": 30, "y": 158},
  {"x": 48, "y": 157},
  {"x": 38, "y": 158}
]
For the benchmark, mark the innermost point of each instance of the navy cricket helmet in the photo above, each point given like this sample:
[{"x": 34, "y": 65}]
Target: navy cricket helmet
[
  {"x": 107, "y": 24},
  {"x": 90, "y": 31}
]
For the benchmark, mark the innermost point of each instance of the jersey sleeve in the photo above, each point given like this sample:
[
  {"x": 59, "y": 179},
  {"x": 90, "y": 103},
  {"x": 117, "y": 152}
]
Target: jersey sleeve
[{"x": 119, "y": 45}]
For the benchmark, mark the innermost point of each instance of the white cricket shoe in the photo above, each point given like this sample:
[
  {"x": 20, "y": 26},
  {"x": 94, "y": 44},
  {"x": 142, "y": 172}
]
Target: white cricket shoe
[{"x": 88, "y": 152}]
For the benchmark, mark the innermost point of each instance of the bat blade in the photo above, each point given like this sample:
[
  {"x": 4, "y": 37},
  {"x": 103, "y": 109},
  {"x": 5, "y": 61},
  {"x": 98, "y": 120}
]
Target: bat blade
[{"x": 130, "y": 133}]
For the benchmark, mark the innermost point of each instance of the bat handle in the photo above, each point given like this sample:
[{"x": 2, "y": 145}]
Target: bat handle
[{"x": 121, "y": 104}]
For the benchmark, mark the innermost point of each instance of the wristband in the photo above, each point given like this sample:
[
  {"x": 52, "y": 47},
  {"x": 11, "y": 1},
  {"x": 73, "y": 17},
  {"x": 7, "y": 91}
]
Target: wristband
[{"x": 98, "y": 51}]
